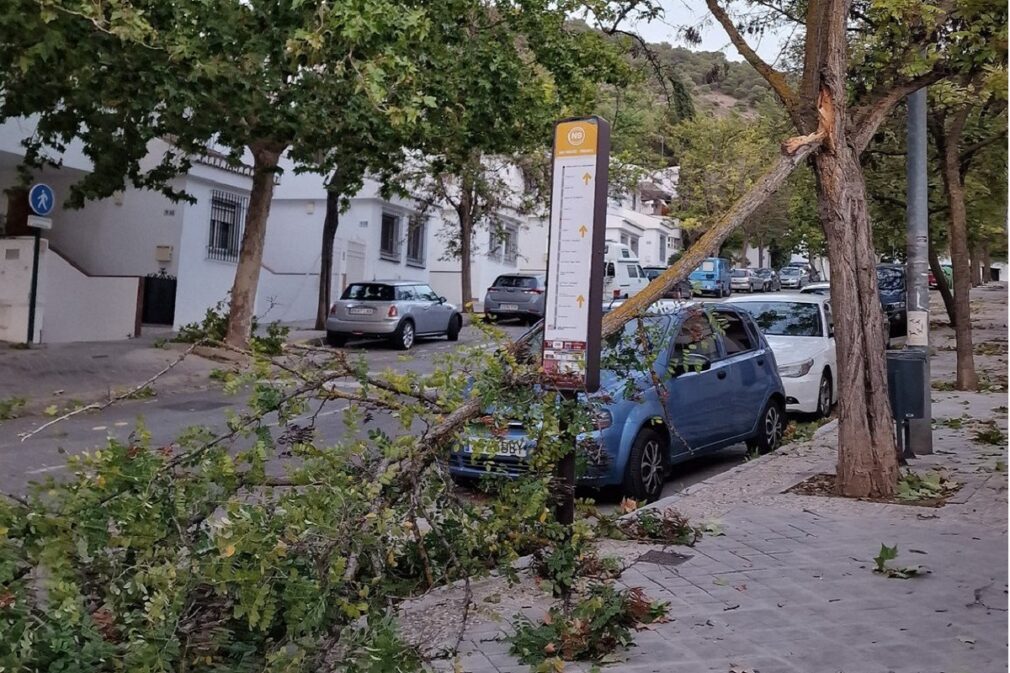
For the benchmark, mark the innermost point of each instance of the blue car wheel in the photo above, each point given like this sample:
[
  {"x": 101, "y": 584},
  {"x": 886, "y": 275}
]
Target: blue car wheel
[{"x": 646, "y": 469}]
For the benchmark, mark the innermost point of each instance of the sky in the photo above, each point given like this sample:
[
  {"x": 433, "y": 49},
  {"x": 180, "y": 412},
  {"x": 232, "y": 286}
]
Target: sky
[{"x": 694, "y": 13}]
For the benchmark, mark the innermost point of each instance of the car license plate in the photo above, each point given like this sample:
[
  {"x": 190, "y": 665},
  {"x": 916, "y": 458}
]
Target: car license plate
[
  {"x": 361, "y": 311},
  {"x": 508, "y": 448},
  {"x": 510, "y": 307}
]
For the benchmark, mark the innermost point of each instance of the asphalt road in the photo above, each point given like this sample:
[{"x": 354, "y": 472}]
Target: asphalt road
[{"x": 165, "y": 416}]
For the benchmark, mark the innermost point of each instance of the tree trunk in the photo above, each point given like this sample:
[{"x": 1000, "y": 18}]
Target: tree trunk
[
  {"x": 867, "y": 455},
  {"x": 330, "y": 223},
  {"x": 247, "y": 273},
  {"x": 761, "y": 256},
  {"x": 465, "y": 213},
  {"x": 953, "y": 186},
  {"x": 986, "y": 265},
  {"x": 975, "y": 262},
  {"x": 941, "y": 284}
]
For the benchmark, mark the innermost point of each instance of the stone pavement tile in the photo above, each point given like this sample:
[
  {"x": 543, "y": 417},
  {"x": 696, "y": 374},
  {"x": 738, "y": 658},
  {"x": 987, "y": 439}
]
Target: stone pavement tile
[{"x": 475, "y": 662}]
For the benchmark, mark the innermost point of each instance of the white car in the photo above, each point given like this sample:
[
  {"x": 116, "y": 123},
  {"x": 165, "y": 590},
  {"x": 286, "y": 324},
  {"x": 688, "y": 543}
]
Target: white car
[{"x": 799, "y": 329}]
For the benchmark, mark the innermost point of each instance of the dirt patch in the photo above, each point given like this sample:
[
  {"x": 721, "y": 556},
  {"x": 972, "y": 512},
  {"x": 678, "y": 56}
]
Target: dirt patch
[{"x": 823, "y": 485}]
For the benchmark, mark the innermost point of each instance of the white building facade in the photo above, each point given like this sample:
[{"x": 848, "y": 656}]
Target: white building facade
[{"x": 137, "y": 233}]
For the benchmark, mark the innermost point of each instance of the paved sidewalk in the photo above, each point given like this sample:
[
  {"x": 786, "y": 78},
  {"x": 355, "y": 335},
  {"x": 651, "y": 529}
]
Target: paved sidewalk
[
  {"x": 86, "y": 372},
  {"x": 789, "y": 586}
]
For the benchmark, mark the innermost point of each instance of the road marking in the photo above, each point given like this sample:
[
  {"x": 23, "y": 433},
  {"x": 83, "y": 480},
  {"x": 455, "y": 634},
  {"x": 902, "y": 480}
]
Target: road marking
[
  {"x": 305, "y": 417},
  {"x": 99, "y": 428},
  {"x": 120, "y": 424},
  {"x": 41, "y": 470}
]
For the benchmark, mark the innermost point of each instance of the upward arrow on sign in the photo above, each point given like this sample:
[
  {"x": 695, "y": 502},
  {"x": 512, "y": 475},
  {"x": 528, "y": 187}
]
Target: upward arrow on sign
[
  {"x": 587, "y": 177},
  {"x": 582, "y": 231},
  {"x": 581, "y": 300}
]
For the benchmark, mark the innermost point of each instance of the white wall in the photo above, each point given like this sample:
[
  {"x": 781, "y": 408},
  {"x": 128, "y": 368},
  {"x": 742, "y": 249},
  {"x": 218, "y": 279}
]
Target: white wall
[
  {"x": 15, "y": 287},
  {"x": 77, "y": 307},
  {"x": 71, "y": 305},
  {"x": 119, "y": 235},
  {"x": 202, "y": 282},
  {"x": 13, "y": 131}
]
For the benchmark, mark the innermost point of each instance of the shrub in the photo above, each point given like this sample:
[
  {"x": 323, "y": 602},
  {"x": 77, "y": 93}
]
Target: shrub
[{"x": 214, "y": 328}]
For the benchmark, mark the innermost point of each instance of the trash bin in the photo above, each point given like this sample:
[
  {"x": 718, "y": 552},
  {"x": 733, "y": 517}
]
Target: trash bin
[
  {"x": 906, "y": 382},
  {"x": 907, "y": 388}
]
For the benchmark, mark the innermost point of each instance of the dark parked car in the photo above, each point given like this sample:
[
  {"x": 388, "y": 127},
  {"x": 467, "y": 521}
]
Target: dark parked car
[
  {"x": 720, "y": 387},
  {"x": 891, "y": 286},
  {"x": 516, "y": 296},
  {"x": 397, "y": 310},
  {"x": 682, "y": 290}
]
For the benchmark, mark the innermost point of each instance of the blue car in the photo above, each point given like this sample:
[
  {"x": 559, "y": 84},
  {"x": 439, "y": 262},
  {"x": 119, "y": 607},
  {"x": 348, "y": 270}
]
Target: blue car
[{"x": 720, "y": 386}]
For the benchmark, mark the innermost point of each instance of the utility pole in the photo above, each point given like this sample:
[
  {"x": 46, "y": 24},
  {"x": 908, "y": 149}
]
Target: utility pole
[{"x": 920, "y": 430}]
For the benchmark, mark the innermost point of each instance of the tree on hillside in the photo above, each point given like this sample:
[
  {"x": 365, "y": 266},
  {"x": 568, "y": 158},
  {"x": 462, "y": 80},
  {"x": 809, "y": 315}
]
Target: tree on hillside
[
  {"x": 858, "y": 61},
  {"x": 251, "y": 77}
]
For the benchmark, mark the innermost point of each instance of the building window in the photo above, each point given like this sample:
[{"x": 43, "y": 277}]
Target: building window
[
  {"x": 389, "y": 242},
  {"x": 662, "y": 248},
  {"x": 416, "y": 227},
  {"x": 511, "y": 245},
  {"x": 226, "y": 215},
  {"x": 504, "y": 244}
]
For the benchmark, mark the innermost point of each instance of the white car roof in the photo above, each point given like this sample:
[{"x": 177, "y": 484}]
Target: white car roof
[{"x": 795, "y": 297}]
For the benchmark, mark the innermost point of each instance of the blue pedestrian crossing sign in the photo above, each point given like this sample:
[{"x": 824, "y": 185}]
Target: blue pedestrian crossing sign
[{"x": 41, "y": 199}]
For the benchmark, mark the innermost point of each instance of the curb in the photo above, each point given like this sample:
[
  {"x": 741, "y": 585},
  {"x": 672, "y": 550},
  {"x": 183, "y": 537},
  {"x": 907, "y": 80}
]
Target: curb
[{"x": 670, "y": 500}]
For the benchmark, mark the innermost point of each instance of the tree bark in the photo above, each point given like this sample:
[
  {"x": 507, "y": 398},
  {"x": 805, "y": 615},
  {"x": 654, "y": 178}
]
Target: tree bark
[
  {"x": 465, "y": 213},
  {"x": 941, "y": 284},
  {"x": 330, "y": 223},
  {"x": 953, "y": 187},
  {"x": 986, "y": 265},
  {"x": 975, "y": 262},
  {"x": 867, "y": 455},
  {"x": 243, "y": 290}
]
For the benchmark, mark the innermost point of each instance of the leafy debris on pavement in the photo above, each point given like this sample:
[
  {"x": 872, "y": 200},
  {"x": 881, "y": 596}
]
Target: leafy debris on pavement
[
  {"x": 594, "y": 628},
  {"x": 903, "y": 572}
]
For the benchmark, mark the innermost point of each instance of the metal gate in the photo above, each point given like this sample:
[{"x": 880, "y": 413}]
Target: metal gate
[{"x": 159, "y": 299}]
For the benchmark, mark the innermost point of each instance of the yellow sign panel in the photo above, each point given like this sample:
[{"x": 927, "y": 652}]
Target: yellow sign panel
[{"x": 575, "y": 139}]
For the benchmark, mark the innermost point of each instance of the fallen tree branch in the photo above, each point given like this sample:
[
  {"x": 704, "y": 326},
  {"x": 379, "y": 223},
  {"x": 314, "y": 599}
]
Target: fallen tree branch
[
  {"x": 794, "y": 151},
  {"x": 112, "y": 400}
]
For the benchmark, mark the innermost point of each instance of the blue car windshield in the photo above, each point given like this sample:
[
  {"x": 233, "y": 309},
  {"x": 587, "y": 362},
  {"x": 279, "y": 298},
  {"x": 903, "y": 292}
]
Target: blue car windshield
[{"x": 785, "y": 318}]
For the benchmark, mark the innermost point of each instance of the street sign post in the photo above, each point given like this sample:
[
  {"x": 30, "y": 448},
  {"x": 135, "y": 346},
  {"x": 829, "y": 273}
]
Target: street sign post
[
  {"x": 42, "y": 201},
  {"x": 574, "y": 303}
]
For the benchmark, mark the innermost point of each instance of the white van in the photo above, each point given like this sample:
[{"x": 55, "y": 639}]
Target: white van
[{"x": 623, "y": 276}]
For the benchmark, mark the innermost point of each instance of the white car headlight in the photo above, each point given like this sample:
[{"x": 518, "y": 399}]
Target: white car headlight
[{"x": 796, "y": 370}]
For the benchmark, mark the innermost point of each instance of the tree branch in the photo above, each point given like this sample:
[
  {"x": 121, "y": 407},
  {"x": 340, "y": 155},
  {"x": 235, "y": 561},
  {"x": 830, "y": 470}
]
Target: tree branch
[
  {"x": 968, "y": 153},
  {"x": 869, "y": 117},
  {"x": 776, "y": 80}
]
